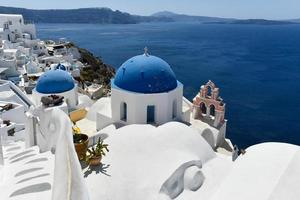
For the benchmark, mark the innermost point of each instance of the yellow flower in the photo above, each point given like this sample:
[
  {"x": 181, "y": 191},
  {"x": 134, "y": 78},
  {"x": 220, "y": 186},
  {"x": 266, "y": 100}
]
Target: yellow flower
[{"x": 76, "y": 130}]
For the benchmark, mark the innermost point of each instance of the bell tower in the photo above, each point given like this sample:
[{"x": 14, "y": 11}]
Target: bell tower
[{"x": 209, "y": 106}]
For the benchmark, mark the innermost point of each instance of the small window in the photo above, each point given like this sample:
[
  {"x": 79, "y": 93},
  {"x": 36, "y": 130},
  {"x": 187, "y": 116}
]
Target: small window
[
  {"x": 174, "y": 110},
  {"x": 10, "y": 22},
  {"x": 123, "y": 112},
  {"x": 151, "y": 114},
  {"x": 212, "y": 110}
]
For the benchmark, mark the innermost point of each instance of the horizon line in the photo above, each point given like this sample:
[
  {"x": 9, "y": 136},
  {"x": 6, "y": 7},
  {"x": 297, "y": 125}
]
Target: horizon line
[{"x": 177, "y": 13}]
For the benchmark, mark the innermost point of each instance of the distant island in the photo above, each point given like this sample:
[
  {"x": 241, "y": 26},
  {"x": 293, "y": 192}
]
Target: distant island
[
  {"x": 217, "y": 20},
  {"x": 255, "y": 21},
  {"x": 189, "y": 18},
  {"x": 109, "y": 16}
]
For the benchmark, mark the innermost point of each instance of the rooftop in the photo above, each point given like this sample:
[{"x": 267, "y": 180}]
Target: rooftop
[
  {"x": 145, "y": 74},
  {"x": 55, "y": 81}
]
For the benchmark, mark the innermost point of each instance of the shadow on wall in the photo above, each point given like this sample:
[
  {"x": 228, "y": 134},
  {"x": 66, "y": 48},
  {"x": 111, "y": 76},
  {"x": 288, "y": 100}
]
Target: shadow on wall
[{"x": 207, "y": 134}]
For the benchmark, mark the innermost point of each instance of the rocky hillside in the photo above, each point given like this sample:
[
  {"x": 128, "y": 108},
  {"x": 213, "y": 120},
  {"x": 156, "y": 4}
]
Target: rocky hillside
[
  {"x": 82, "y": 15},
  {"x": 95, "y": 70}
]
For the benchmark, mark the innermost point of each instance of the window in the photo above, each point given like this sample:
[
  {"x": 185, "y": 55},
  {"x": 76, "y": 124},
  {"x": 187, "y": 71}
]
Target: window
[
  {"x": 212, "y": 110},
  {"x": 151, "y": 114},
  {"x": 174, "y": 110},
  {"x": 123, "y": 111},
  {"x": 203, "y": 108}
]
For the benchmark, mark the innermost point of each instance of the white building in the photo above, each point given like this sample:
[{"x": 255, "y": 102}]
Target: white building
[
  {"x": 13, "y": 27},
  {"x": 17, "y": 40},
  {"x": 56, "y": 82},
  {"x": 9, "y": 92},
  {"x": 145, "y": 91}
]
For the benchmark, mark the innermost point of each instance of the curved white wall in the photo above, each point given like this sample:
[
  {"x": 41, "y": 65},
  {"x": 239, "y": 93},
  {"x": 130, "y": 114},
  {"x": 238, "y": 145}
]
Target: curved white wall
[
  {"x": 137, "y": 105},
  {"x": 70, "y": 97}
]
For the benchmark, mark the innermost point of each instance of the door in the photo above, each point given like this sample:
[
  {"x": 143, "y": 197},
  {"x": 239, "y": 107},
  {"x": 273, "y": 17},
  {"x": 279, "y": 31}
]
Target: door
[{"x": 151, "y": 114}]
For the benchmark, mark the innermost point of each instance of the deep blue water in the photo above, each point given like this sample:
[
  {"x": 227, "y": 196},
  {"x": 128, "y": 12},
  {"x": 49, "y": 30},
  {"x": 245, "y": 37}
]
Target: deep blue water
[{"x": 256, "y": 67}]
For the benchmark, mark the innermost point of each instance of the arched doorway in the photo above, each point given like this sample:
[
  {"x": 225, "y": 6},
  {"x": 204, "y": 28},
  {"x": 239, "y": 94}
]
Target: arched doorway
[
  {"x": 203, "y": 108},
  {"x": 123, "y": 111},
  {"x": 212, "y": 110}
]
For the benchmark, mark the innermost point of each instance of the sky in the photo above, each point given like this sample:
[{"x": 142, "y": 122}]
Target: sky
[{"x": 243, "y": 9}]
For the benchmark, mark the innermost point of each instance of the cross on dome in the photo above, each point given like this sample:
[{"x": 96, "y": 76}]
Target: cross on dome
[{"x": 146, "y": 53}]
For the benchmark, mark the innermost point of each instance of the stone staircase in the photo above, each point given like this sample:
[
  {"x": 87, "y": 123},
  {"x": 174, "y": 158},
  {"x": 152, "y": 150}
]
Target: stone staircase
[{"x": 26, "y": 173}]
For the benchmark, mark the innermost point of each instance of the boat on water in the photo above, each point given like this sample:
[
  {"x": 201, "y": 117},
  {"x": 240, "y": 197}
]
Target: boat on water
[{"x": 161, "y": 145}]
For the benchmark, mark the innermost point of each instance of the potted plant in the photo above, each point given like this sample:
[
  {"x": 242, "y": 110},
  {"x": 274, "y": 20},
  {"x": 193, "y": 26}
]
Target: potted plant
[
  {"x": 81, "y": 142},
  {"x": 96, "y": 153}
]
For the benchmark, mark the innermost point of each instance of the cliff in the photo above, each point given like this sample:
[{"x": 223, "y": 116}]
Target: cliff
[
  {"x": 95, "y": 69},
  {"x": 82, "y": 15}
]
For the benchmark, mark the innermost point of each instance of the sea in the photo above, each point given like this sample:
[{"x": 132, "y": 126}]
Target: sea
[{"x": 256, "y": 67}]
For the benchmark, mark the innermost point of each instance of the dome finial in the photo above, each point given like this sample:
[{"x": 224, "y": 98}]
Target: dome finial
[{"x": 146, "y": 53}]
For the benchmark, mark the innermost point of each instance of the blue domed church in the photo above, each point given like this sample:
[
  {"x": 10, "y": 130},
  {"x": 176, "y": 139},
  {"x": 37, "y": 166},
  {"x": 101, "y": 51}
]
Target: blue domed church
[
  {"x": 145, "y": 91},
  {"x": 58, "y": 82}
]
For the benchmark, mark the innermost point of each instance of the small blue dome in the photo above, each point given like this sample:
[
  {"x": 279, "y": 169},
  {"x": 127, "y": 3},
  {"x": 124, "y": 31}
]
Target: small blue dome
[
  {"x": 146, "y": 74},
  {"x": 55, "y": 81},
  {"x": 60, "y": 66}
]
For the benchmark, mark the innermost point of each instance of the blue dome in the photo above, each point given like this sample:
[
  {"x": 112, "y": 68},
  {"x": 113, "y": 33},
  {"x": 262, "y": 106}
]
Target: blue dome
[
  {"x": 60, "y": 66},
  {"x": 146, "y": 74},
  {"x": 55, "y": 81}
]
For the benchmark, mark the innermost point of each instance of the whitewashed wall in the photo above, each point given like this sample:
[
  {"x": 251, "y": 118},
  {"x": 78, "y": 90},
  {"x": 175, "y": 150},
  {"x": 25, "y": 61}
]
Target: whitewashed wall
[
  {"x": 137, "y": 105},
  {"x": 70, "y": 97},
  {"x": 17, "y": 114},
  {"x": 15, "y": 20}
]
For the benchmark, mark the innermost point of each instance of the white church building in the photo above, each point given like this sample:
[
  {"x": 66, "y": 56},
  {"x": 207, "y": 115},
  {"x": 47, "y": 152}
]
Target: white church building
[
  {"x": 57, "y": 82},
  {"x": 144, "y": 91}
]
